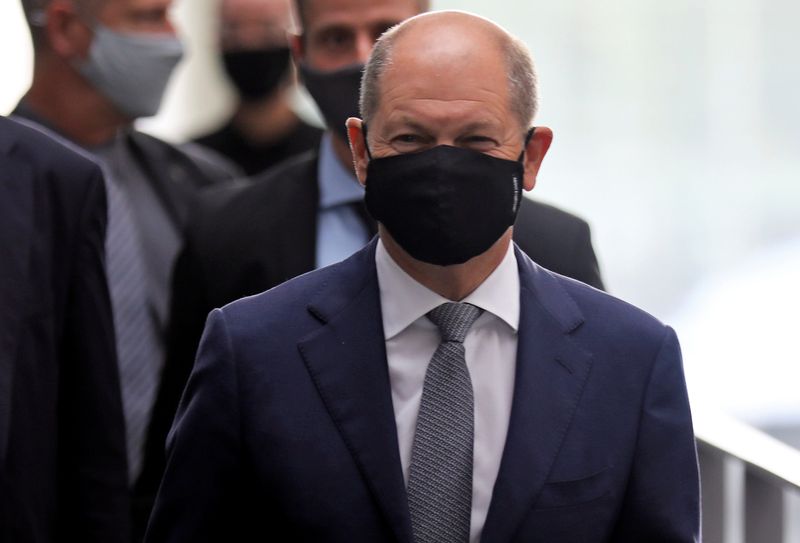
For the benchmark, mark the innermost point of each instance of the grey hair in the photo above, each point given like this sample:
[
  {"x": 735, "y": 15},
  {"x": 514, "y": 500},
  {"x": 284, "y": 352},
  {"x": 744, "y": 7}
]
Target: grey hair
[
  {"x": 31, "y": 6},
  {"x": 300, "y": 7},
  {"x": 520, "y": 70},
  {"x": 35, "y": 16}
]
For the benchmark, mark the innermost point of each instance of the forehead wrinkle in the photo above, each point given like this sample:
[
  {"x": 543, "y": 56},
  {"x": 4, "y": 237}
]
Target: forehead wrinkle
[
  {"x": 441, "y": 109},
  {"x": 436, "y": 123},
  {"x": 408, "y": 92},
  {"x": 418, "y": 81}
]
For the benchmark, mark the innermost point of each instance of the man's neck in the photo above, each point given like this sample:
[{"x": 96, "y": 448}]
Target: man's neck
[
  {"x": 454, "y": 282},
  {"x": 63, "y": 99},
  {"x": 266, "y": 121}
]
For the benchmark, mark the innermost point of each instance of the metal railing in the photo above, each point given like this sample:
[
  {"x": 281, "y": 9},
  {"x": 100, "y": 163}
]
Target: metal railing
[{"x": 750, "y": 482}]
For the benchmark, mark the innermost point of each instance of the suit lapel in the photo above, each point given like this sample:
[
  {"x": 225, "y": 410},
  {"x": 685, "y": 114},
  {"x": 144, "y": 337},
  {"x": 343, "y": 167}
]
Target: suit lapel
[
  {"x": 166, "y": 176},
  {"x": 550, "y": 375},
  {"x": 16, "y": 213},
  {"x": 346, "y": 358}
]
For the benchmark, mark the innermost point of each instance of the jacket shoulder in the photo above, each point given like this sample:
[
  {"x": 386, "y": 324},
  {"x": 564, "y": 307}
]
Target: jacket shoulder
[
  {"x": 557, "y": 240},
  {"x": 263, "y": 199},
  {"x": 581, "y": 307},
  {"x": 613, "y": 325},
  {"x": 283, "y": 309},
  {"x": 211, "y": 161},
  {"x": 533, "y": 213},
  {"x": 313, "y": 295},
  {"x": 45, "y": 151},
  {"x": 206, "y": 167}
]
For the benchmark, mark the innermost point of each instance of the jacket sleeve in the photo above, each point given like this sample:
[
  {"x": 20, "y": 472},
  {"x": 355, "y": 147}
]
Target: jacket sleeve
[
  {"x": 93, "y": 472},
  {"x": 661, "y": 502},
  {"x": 188, "y": 312},
  {"x": 198, "y": 494}
]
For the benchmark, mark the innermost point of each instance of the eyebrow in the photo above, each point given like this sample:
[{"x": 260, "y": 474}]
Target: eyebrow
[
  {"x": 482, "y": 125},
  {"x": 405, "y": 122},
  {"x": 420, "y": 127}
]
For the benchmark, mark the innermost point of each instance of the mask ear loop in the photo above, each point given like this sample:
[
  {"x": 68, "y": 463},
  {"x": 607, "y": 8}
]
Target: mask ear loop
[
  {"x": 366, "y": 144},
  {"x": 528, "y": 137}
]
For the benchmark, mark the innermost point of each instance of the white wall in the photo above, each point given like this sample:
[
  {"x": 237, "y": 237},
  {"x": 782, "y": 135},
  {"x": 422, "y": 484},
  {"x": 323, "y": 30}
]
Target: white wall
[{"x": 16, "y": 55}]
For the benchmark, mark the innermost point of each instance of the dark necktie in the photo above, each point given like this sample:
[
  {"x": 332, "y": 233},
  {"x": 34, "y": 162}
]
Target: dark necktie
[{"x": 440, "y": 476}]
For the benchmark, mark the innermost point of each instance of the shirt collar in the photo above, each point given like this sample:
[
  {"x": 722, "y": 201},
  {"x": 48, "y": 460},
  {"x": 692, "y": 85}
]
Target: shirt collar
[
  {"x": 337, "y": 184},
  {"x": 404, "y": 300}
]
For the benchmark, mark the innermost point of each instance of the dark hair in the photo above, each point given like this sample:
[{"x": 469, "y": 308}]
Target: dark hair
[{"x": 301, "y": 5}]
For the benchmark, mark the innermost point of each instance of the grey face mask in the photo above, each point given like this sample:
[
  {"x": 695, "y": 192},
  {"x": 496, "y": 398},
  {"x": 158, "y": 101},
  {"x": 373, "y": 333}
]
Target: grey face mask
[{"x": 131, "y": 69}]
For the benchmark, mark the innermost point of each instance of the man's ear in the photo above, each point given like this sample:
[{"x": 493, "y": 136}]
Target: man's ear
[
  {"x": 534, "y": 154},
  {"x": 297, "y": 45},
  {"x": 66, "y": 33},
  {"x": 358, "y": 147}
]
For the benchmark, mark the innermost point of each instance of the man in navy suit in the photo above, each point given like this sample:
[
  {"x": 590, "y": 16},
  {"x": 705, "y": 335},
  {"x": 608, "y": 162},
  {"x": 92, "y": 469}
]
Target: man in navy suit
[
  {"x": 308, "y": 414},
  {"x": 63, "y": 469}
]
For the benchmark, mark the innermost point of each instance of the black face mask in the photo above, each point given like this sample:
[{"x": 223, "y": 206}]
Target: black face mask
[
  {"x": 256, "y": 73},
  {"x": 445, "y": 205},
  {"x": 335, "y": 92}
]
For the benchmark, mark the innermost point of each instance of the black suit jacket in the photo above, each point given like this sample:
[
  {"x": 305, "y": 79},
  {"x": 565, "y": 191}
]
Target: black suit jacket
[
  {"x": 247, "y": 240},
  {"x": 286, "y": 430},
  {"x": 178, "y": 175},
  {"x": 63, "y": 468}
]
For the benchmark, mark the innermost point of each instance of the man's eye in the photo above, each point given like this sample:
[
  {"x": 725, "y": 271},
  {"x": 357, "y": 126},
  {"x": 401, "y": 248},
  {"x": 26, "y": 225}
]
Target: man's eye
[
  {"x": 408, "y": 143},
  {"x": 479, "y": 143},
  {"x": 335, "y": 39},
  {"x": 152, "y": 16}
]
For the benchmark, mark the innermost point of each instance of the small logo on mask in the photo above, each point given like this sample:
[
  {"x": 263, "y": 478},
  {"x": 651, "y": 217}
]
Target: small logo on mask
[{"x": 515, "y": 179}]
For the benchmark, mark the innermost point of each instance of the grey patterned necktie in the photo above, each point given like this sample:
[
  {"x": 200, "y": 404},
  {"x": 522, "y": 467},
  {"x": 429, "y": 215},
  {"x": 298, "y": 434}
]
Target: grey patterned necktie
[
  {"x": 440, "y": 477},
  {"x": 137, "y": 346}
]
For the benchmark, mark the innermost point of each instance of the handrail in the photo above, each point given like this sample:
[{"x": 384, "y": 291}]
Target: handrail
[
  {"x": 746, "y": 443},
  {"x": 750, "y": 481}
]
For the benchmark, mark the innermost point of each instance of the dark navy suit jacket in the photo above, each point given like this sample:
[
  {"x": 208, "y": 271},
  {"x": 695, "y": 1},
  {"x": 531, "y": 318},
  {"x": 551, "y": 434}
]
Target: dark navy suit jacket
[
  {"x": 63, "y": 469},
  {"x": 286, "y": 429}
]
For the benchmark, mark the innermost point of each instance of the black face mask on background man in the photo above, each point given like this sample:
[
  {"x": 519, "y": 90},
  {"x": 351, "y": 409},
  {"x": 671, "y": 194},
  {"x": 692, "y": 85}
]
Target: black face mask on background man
[
  {"x": 336, "y": 93},
  {"x": 445, "y": 205},
  {"x": 256, "y": 73}
]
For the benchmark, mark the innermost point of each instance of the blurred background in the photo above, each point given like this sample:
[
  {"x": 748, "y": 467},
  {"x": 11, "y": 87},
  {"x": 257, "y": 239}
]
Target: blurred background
[{"x": 677, "y": 136}]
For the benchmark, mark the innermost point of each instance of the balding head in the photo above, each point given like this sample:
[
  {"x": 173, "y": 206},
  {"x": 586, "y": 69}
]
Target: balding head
[{"x": 452, "y": 39}]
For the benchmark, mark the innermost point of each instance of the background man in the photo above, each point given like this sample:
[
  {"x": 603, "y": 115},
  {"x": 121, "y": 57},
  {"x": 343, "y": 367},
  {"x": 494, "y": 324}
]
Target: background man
[
  {"x": 308, "y": 213},
  {"x": 264, "y": 129},
  {"x": 99, "y": 65},
  {"x": 63, "y": 468},
  {"x": 438, "y": 385},
  {"x": 305, "y": 213}
]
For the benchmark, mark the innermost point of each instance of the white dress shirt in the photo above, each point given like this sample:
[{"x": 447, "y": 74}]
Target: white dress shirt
[{"x": 491, "y": 354}]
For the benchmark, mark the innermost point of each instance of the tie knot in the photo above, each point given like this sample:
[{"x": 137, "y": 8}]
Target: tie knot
[{"x": 454, "y": 320}]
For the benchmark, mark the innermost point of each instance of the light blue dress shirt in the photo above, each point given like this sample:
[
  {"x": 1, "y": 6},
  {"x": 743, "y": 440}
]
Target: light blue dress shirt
[{"x": 340, "y": 230}]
